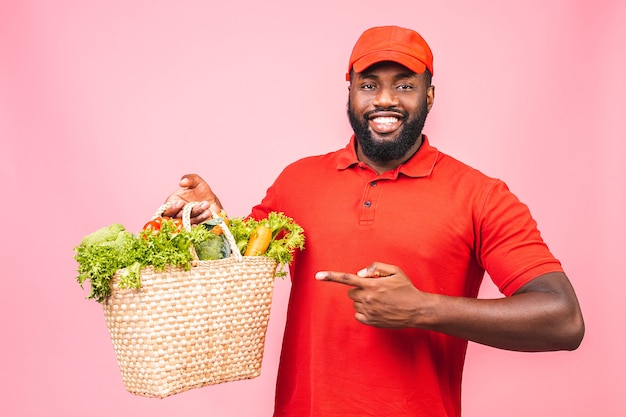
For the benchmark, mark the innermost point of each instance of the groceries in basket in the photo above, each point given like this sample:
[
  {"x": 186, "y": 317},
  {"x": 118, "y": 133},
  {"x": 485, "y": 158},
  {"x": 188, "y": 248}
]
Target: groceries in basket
[
  {"x": 183, "y": 306},
  {"x": 165, "y": 242}
]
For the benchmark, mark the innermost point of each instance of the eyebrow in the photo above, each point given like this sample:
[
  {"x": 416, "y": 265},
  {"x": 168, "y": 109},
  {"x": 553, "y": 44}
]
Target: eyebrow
[{"x": 408, "y": 74}]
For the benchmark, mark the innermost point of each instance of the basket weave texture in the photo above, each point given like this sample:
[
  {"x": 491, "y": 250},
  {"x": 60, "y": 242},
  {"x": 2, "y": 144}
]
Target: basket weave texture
[{"x": 187, "y": 329}]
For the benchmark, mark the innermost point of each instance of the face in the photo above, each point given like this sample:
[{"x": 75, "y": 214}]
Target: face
[{"x": 387, "y": 108}]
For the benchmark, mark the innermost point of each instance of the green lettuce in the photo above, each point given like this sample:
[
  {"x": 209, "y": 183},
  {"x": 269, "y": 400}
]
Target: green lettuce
[{"x": 111, "y": 249}]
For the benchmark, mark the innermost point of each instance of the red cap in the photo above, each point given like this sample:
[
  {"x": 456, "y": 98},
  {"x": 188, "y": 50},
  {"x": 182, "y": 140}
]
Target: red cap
[{"x": 391, "y": 43}]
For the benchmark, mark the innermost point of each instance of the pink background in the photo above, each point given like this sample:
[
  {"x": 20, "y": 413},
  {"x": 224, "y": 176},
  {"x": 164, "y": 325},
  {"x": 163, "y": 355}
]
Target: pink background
[{"x": 104, "y": 105}]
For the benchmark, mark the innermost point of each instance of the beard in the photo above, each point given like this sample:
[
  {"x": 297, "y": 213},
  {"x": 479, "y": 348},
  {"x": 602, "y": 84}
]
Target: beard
[{"x": 386, "y": 151}]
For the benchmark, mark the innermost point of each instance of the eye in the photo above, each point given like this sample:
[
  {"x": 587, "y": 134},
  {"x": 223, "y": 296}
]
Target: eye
[
  {"x": 368, "y": 86},
  {"x": 405, "y": 87}
]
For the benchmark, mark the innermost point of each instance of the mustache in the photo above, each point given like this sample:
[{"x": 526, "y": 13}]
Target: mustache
[{"x": 368, "y": 114}]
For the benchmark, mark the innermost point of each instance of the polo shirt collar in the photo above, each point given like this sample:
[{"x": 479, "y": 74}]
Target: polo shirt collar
[{"x": 420, "y": 165}]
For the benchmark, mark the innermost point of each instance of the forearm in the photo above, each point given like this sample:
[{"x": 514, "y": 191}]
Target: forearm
[
  {"x": 530, "y": 320},
  {"x": 543, "y": 315}
]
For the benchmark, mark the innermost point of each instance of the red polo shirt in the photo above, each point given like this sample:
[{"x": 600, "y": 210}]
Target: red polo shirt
[{"x": 443, "y": 223}]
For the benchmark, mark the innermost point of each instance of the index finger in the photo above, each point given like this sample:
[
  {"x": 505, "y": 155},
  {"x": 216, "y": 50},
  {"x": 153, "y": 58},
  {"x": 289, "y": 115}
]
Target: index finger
[{"x": 340, "y": 277}]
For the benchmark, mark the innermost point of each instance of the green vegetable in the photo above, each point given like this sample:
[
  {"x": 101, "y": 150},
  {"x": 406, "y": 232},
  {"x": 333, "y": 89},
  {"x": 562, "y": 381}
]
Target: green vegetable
[
  {"x": 212, "y": 248},
  {"x": 106, "y": 235},
  {"x": 102, "y": 253},
  {"x": 112, "y": 249},
  {"x": 287, "y": 236}
]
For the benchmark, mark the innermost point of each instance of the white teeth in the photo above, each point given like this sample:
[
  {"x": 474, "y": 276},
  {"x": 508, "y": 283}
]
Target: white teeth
[{"x": 385, "y": 120}]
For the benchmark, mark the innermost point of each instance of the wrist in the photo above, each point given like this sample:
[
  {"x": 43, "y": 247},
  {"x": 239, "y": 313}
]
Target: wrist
[{"x": 427, "y": 311}]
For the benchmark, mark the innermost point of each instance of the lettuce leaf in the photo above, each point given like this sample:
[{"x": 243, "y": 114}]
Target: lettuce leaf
[
  {"x": 111, "y": 249},
  {"x": 287, "y": 237},
  {"x": 102, "y": 253}
]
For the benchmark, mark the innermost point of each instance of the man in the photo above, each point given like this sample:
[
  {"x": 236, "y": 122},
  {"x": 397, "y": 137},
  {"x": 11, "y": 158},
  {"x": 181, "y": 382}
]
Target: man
[{"x": 410, "y": 231}]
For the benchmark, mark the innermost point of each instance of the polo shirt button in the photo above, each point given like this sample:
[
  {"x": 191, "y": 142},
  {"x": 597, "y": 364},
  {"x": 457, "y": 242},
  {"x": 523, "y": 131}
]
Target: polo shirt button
[
  {"x": 373, "y": 183},
  {"x": 368, "y": 203}
]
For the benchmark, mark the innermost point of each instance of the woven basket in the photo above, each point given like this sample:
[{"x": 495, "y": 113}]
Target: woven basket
[{"x": 187, "y": 329}]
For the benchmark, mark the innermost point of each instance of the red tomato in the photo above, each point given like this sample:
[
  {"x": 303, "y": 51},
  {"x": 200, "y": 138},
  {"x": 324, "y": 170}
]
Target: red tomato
[{"x": 155, "y": 224}]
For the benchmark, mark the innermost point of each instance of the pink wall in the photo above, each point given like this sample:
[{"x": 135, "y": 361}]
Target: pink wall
[{"x": 103, "y": 105}]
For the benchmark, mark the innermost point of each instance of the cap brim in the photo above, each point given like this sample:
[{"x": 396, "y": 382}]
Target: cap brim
[{"x": 408, "y": 61}]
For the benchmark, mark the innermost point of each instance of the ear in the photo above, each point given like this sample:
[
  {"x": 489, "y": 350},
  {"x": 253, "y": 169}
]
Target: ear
[{"x": 430, "y": 96}]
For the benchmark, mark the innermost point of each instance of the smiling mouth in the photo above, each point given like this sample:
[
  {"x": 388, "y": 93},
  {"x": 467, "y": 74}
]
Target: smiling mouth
[
  {"x": 385, "y": 124},
  {"x": 385, "y": 120}
]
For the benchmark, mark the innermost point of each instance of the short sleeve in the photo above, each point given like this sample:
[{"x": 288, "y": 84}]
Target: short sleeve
[{"x": 510, "y": 246}]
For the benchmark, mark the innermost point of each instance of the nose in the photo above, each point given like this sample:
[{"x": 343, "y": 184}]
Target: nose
[{"x": 385, "y": 97}]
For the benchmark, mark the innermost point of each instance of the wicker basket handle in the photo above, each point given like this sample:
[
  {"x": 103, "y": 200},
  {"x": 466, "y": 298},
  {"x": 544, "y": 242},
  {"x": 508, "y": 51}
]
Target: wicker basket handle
[{"x": 186, "y": 216}]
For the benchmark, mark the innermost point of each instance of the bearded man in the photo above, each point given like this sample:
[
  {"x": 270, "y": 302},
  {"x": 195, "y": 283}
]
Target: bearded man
[{"x": 398, "y": 238}]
